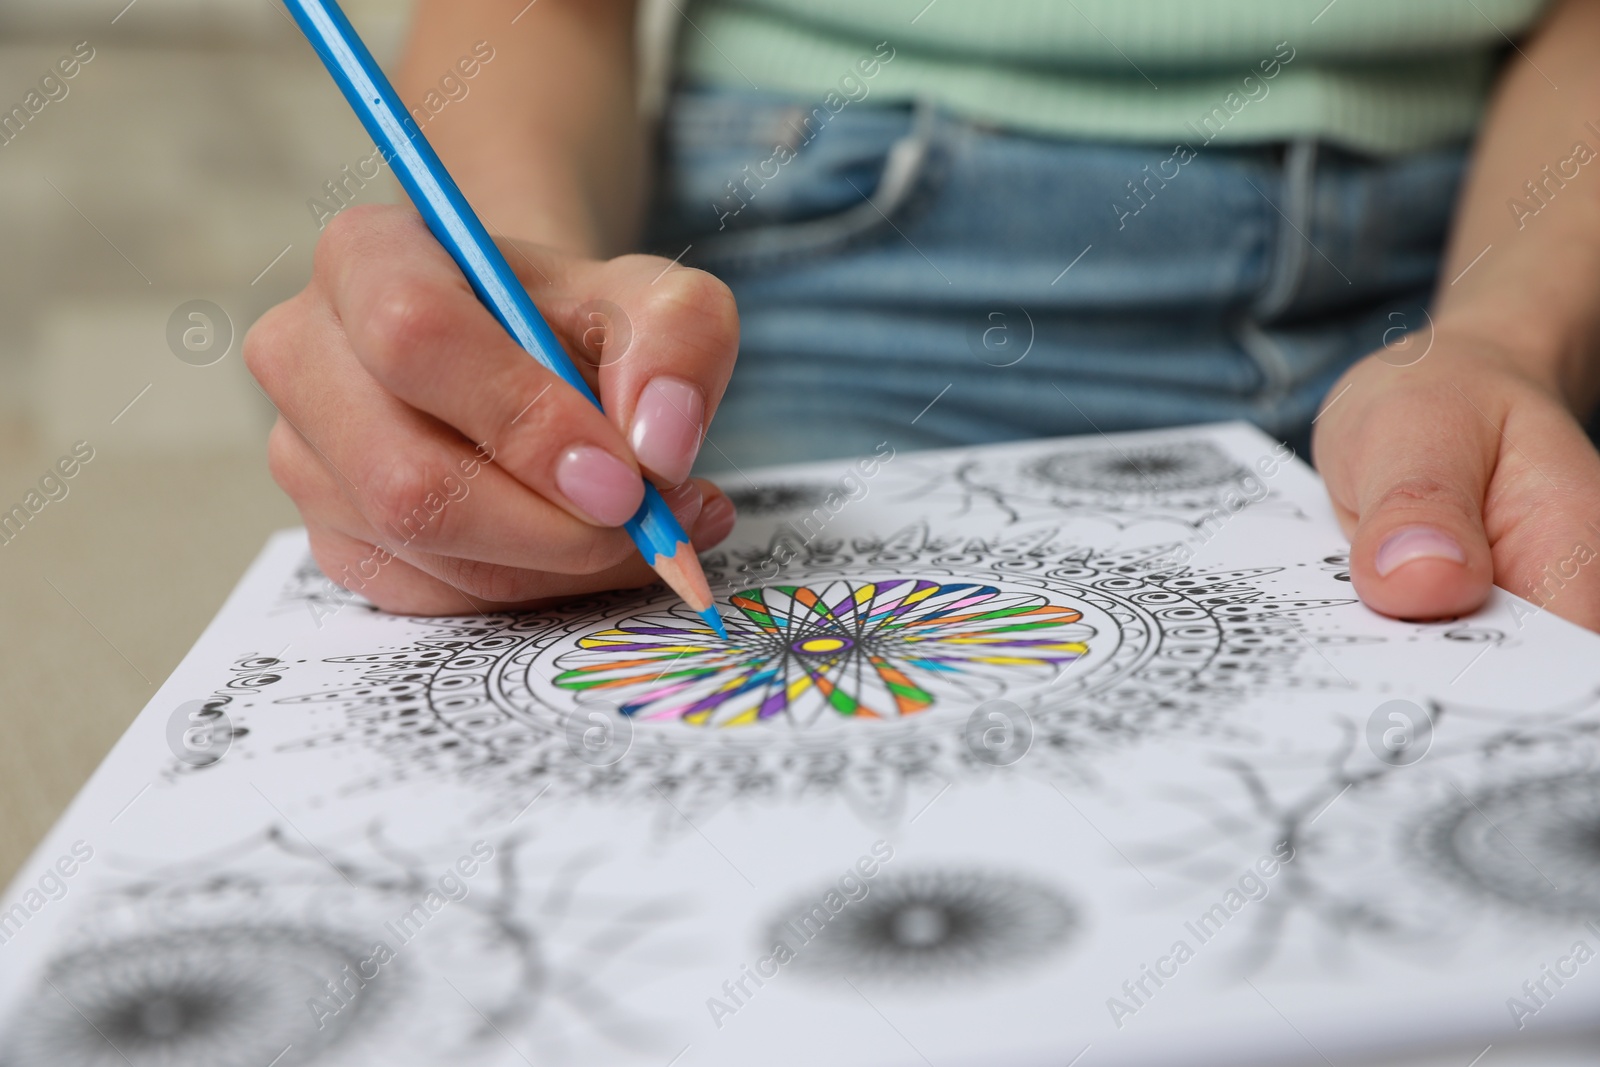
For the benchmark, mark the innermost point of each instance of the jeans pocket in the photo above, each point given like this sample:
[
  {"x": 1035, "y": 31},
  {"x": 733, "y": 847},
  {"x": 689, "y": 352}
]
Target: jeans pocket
[{"x": 752, "y": 181}]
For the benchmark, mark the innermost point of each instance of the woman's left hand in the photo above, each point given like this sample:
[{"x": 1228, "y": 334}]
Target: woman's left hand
[{"x": 1458, "y": 472}]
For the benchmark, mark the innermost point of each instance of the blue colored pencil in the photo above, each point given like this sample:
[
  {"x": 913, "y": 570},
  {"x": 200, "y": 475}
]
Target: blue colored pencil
[{"x": 654, "y": 528}]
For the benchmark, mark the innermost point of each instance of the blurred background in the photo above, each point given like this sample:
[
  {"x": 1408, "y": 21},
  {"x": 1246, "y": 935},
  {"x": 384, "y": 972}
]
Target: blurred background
[{"x": 175, "y": 168}]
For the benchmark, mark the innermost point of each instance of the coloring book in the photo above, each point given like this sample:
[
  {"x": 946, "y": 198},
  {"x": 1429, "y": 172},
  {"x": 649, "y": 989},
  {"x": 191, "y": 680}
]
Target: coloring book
[{"x": 1066, "y": 752}]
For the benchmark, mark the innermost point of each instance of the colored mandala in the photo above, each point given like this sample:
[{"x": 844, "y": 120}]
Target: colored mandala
[
  {"x": 860, "y": 649},
  {"x": 857, "y": 675}
]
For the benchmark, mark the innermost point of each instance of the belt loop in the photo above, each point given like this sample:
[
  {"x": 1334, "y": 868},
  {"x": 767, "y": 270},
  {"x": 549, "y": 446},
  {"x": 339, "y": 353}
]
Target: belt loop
[
  {"x": 1290, "y": 254},
  {"x": 904, "y": 163},
  {"x": 905, "y": 160},
  {"x": 1293, "y": 246}
]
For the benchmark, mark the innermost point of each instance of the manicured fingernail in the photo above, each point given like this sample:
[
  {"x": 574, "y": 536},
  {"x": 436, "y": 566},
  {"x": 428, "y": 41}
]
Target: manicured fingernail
[
  {"x": 599, "y": 484},
  {"x": 685, "y": 501},
  {"x": 1416, "y": 542},
  {"x": 666, "y": 427},
  {"x": 715, "y": 522}
]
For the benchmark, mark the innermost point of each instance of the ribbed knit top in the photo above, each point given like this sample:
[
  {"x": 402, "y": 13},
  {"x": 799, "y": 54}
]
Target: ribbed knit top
[{"x": 1381, "y": 76}]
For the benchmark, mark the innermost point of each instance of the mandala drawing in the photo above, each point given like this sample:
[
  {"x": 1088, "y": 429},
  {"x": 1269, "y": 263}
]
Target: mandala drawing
[
  {"x": 933, "y": 925},
  {"x": 778, "y": 498},
  {"x": 855, "y": 674},
  {"x": 1532, "y": 844},
  {"x": 223, "y": 995},
  {"x": 1188, "y": 483},
  {"x": 307, "y": 590},
  {"x": 1139, "y": 469},
  {"x": 278, "y": 952},
  {"x": 873, "y": 649}
]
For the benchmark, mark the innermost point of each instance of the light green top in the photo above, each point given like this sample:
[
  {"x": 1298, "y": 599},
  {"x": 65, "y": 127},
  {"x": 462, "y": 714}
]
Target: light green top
[{"x": 1383, "y": 76}]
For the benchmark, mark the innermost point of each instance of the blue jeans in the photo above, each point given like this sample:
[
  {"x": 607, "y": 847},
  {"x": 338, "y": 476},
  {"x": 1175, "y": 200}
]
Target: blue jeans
[{"x": 909, "y": 276}]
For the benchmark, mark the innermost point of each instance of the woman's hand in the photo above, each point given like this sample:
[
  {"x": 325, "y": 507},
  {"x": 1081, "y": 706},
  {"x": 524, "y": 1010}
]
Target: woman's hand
[
  {"x": 395, "y": 387},
  {"x": 1458, "y": 472},
  {"x": 1467, "y": 467}
]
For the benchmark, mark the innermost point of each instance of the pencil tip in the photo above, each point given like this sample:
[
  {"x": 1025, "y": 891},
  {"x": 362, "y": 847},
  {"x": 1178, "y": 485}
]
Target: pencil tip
[
  {"x": 682, "y": 573},
  {"x": 715, "y": 621}
]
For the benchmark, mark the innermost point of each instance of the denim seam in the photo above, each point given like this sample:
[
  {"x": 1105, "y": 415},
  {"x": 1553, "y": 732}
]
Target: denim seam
[{"x": 1268, "y": 356}]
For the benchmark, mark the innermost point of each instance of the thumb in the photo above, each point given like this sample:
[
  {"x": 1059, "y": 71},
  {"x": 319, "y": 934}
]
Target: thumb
[{"x": 1415, "y": 493}]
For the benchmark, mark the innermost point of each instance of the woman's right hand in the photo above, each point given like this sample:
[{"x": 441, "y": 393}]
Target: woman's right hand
[{"x": 438, "y": 466}]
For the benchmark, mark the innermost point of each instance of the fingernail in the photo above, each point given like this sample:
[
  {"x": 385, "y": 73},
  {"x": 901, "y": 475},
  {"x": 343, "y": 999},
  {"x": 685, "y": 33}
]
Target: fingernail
[
  {"x": 1416, "y": 542},
  {"x": 685, "y": 501},
  {"x": 666, "y": 427},
  {"x": 715, "y": 522},
  {"x": 599, "y": 484}
]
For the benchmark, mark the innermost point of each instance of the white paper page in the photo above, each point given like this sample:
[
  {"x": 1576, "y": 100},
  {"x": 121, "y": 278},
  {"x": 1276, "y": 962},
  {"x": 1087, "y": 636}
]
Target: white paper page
[{"x": 1077, "y": 748}]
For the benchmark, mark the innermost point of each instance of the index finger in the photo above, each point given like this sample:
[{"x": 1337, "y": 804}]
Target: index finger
[
  {"x": 666, "y": 338},
  {"x": 417, "y": 327}
]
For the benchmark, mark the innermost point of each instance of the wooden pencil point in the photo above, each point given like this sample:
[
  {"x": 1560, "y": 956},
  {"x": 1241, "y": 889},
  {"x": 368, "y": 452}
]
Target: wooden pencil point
[{"x": 681, "y": 571}]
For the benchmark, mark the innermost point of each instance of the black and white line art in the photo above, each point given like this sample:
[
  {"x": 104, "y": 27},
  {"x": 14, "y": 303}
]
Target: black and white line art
[
  {"x": 930, "y": 926},
  {"x": 278, "y": 950}
]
